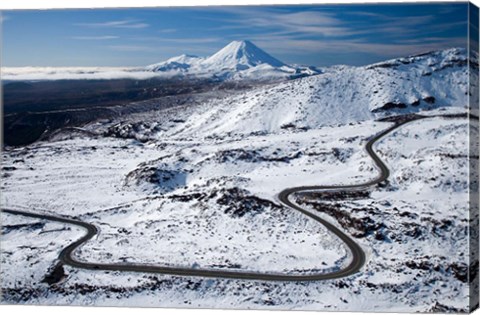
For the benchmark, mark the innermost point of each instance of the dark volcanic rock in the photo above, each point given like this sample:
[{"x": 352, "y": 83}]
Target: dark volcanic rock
[
  {"x": 429, "y": 99},
  {"x": 363, "y": 226},
  {"x": 238, "y": 203},
  {"x": 56, "y": 275},
  {"x": 388, "y": 106}
]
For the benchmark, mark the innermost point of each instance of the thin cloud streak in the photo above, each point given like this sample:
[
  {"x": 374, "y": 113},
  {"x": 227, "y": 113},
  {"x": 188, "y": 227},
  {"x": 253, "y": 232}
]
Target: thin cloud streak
[
  {"x": 130, "y": 48},
  {"x": 106, "y": 37},
  {"x": 198, "y": 40},
  {"x": 168, "y": 30},
  {"x": 131, "y": 24},
  {"x": 205, "y": 40},
  {"x": 313, "y": 23}
]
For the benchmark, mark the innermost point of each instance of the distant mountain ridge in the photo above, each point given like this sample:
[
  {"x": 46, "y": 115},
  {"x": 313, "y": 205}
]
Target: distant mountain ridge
[
  {"x": 179, "y": 63},
  {"x": 239, "y": 60}
]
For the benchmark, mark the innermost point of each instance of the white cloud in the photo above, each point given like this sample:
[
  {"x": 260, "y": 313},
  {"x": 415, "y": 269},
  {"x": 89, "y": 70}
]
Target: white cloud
[{"x": 74, "y": 73}]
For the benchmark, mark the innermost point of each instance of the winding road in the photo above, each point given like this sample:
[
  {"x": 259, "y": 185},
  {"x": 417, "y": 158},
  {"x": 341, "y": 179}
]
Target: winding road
[{"x": 67, "y": 256}]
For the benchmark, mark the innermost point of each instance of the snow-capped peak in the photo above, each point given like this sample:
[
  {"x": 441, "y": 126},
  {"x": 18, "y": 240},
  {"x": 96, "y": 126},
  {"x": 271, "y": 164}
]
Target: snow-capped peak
[
  {"x": 239, "y": 60},
  {"x": 241, "y": 55}
]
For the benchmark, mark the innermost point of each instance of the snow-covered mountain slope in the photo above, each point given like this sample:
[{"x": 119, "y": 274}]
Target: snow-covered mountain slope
[
  {"x": 224, "y": 216},
  {"x": 239, "y": 60},
  {"x": 341, "y": 95}
]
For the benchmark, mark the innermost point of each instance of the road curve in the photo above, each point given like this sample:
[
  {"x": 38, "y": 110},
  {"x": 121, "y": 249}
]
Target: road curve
[{"x": 67, "y": 256}]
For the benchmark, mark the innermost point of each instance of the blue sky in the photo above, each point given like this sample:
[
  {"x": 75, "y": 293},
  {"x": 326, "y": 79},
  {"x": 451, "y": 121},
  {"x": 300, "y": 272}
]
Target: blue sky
[{"x": 314, "y": 35}]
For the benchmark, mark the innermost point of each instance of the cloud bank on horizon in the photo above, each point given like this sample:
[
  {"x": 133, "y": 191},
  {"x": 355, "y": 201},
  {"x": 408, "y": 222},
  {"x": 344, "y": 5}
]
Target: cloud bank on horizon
[{"x": 319, "y": 35}]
